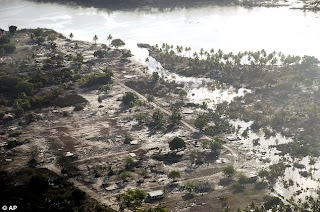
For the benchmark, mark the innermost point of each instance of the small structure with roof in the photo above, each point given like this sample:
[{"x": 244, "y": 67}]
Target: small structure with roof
[
  {"x": 252, "y": 177},
  {"x": 153, "y": 195},
  {"x": 132, "y": 154},
  {"x": 134, "y": 142},
  {"x": 69, "y": 154},
  {"x": 233, "y": 138}
]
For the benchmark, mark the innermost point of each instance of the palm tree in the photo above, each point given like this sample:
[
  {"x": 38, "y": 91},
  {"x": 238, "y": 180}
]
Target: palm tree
[
  {"x": 195, "y": 55},
  {"x": 71, "y": 36},
  {"x": 220, "y": 54},
  {"x": 109, "y": 38},
  {"x": 178, "y": 50},
  {"x": 201, "y": 52},
  {"x": 95, "y": 38},
  {"x": 189, "y": 49},
  {"x": 274, "y": 61},
  {"x": 186, "y": 50}
]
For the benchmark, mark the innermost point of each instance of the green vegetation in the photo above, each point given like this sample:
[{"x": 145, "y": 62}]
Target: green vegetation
[
  {"x": 284, "y": 96},
  {"x": 24, "y": 94},
  {"x": 117, "y": 43},
  {"x": 95, "y": 39},
  {"x": 71, "y": 36},
  {"x": 96, "y": 79},
  {"x": 132, "y": 198},
  {"x": 174, "y": 175},
  {"x": 5, "y": 46},
  {"x": 100, "y": 53},
  {"x": 201, "y": 122},
  {"x": 43, "y": 190},
  {"x": 177, "y": 143},
  {"x": 229, "y": 170},
  {"x": 155, "y": 77},
  {"x": 215, "y": 146},
  {"x": 157, "y": 209},
  {"x": 130, "y": 99},
  {"x": 175, "y": 117},
  {"x": 272, "y": 203},
  {"x": 109, "y": 38},
  {"x": 12, "y": 29},
  {"x": 157, "y": 117}
]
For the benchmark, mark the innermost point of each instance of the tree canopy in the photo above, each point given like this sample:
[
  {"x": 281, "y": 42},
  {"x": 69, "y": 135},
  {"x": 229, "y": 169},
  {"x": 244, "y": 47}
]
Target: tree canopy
[
  {"x": 117, "y": 43},
  {"x": 177, "y": 143}
]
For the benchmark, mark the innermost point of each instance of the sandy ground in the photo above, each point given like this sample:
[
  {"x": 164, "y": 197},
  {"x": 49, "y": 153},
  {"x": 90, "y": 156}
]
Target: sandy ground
[{"x": 96, "y": 136}]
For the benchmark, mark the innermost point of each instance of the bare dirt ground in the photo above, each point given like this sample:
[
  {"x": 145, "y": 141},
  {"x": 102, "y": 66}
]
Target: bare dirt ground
[{"x": 96, "y": 137}]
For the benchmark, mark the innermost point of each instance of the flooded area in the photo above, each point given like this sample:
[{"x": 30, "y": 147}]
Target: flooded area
[
  {"x": 231, "y": 28},
  {"x": 198, "y": 89},
  {"x": 255, "y": 146}
]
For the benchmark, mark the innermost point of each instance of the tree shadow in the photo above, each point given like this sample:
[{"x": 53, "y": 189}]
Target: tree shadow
[
  {"x": 169, "y": 158},
  {"x": 260, "y": 185},
  {"x": 225, "y": 181}
]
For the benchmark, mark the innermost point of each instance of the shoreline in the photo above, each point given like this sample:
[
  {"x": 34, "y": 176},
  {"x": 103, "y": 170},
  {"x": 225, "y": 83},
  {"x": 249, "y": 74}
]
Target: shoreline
[{"x": 179, "y": 5}]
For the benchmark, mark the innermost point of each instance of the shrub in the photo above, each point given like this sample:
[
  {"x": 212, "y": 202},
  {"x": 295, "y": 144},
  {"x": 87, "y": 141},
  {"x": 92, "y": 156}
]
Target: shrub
[
  {"x": 126, "y": 54},
  {"x": 150, "y": 98},
  {"x": 70, "y": 100},
  {"x": 174, "y": 175},
  {"x": 96, "y": 79},
  {"x": 39, "y": 183},
  {"x": 215, "y": 146},
  {"x": 78, "y": 58},
  {"x": 129, "y": 99},
  {"x": 142, "y": 118},
  {"x": 201, "y": 122},
  {"x": 51, "y": 37},
  {"x": 78, "y": 196},
  {"x": 155, "y": 77},
  {"x": 78, "y": 107},
  {"x": 177, "y": 143},
  {"x": 25, "y": 87},
  {"x": 8, "y": 48},
  {"x": 157, "y": 116},
  {"x": 132, "y": 198},
  {"x": 40, "y": 40},
  {"x": 100, "y": 53},
  {"x": 29, "y": 117},
  {"x": 229, "y": 170},
  {"x": 238, "y": 187},
  {"x": 38, "y": 32},
  {"x": 4, "y": 39},
  {"x": 117, "y": 43},
  {"x": 106, "y": 88},
  {"x": 12, "y": 143},
  {"x": 242, "y": 178}
]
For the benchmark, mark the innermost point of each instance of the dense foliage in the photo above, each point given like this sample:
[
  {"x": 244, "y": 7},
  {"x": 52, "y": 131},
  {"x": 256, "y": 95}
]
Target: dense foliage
[
  {"x": 43, "y": 190},
  {"x": 284, "y": 95}
]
